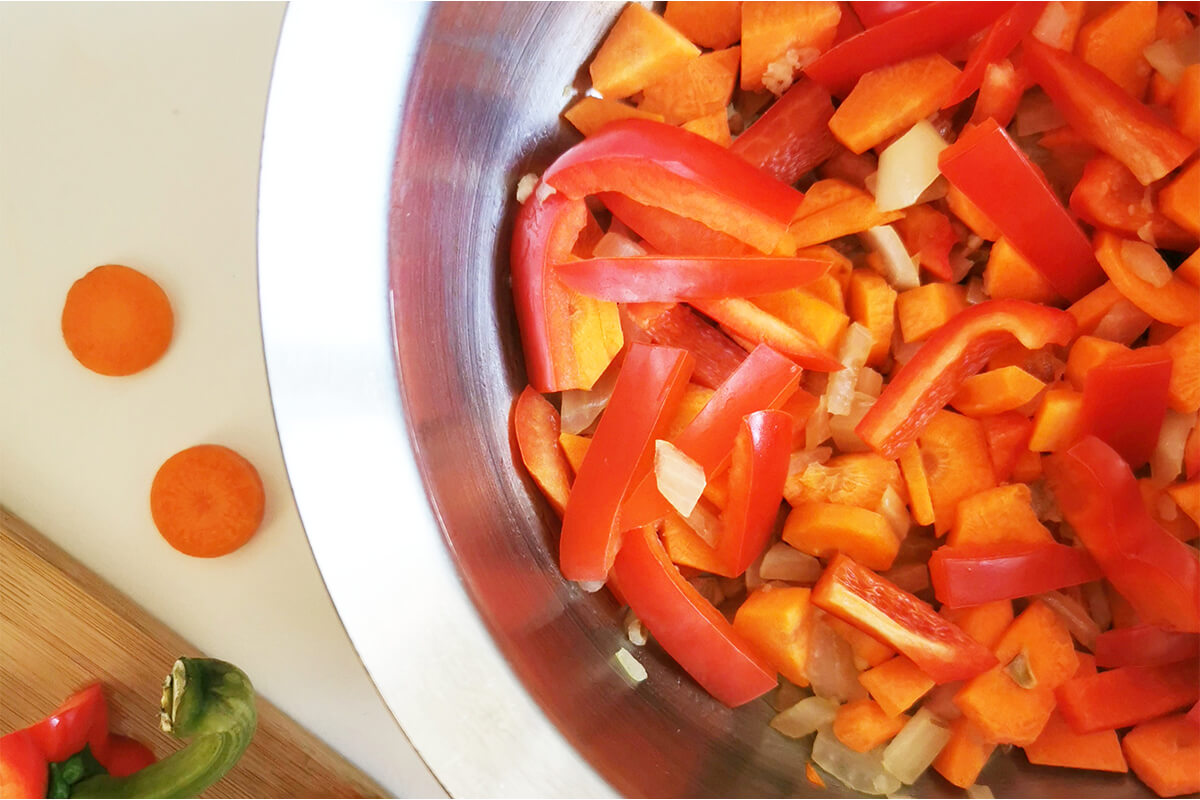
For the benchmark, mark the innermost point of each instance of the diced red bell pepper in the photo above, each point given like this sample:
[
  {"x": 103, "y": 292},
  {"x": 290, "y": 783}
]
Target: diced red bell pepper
[
  {"x": 659, "y": 165},
  {"x": 765, "y": 380},
  {"x": 1008, "y": 436},
  {"x": 872, "y": 14},
  {"x": 123, "y": 756},
  {"x": 1125, "y": 401},
  {"x": 1144, "y": 646},
  {"x": 1098, "y": 495},
  {"x": 648, "y": 389},
  {"x": 668, "y": 279},
  {"x": 925, "y": 29},
  {"x": 1119, "y": 698},
  {"x": 24, "y": 771},
  {"x": 1004, "y": 35},
  {"x": 957, "y": 350},
  {"x": 792, "y": 136},
  {"x": 80, "y": 720},
  {"x": 1105, "y": 114},
  {"x": 972, "y": 576},
  {"x": 687, "y": 626},
  {"x": 987, "y": 166},
  {"x": 873, "y": 604},
  {"x": 1108, "y": 196},
  {"x": 678, "y": 326},
  {"x": 758, "y": 469}
]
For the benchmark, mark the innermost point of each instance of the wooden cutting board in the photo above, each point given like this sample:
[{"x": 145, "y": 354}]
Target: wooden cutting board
[{"x": 62, "y": 627}]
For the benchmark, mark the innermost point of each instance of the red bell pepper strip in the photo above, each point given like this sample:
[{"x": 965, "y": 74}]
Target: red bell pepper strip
[
  {"x": 744, "y": 319},
  {"x": 80, "y": 720},
  {"x": 872, "y": 14},
  {"x": 758, "y": 469},
  {"x": 1125, "y": 401},
  {"x": 921, "y": 30},
  {"x": 1119, "y": 698},
  {"x": 957, "y": 350},
  {"x": 24, "y": 771},
  {"x": 678, "y": 326},
  {"x": 123, "y": 756},
  {"x": 688, "y": 627},
  {"x": 1108, "y": 196},
  {"x": 993, "y": 172},
  {"x": 792, "y": 136},
  {"x": 765, "y": 380},
  {"x": 660, "y": 165},
  {"x": 669, "y": 233},
  {"x": 1105, "y": 114},
  {"x": 940, "y": 648},
  {"x": 1144, "y": 646},
  {"x": 971, "y": 576},
  {"x": 1194, "y": 715},
  {"x": 1099, "y": 497},
  {"x": 648, "y": 389},
  {"x": 668, "y": 279},
  {"x": 1004, "y": 35}
]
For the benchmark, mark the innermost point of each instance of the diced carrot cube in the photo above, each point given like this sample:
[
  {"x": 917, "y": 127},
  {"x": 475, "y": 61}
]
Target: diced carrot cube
[
  {"x": 694, "y": 399},
  {"x": 701, "y": 87},
  {"x": 1059, "y": 746},
  {"x": 1164, "y": 754},
  {"x": 1000, "y": 515},
  {"x": 685, "y": 547},
  {"x": 873, "y": 305},
  {"x": 823, "y": 323},
  {"x": 868, "y": 651},
  {"x": 824, "y": 529},
  {"x": 896, "y": 684},
  {"x": 592, "y": 113},
  {"x": 1056, "y": 423},
  {"x": 1185, "y": 105},
  {"x": 1113, "y": 43},
  {"x": 853, "y": 479},
  {"x": 574, "y": 448},
  {"x": 1009, "y": 276},
  {"x": 969, "y": 214},
  {"x": 965, "y": 755},
  {"x": 923, "y": 310},
  {"x": 780, "y": 38},
  {"x": 1087, "y": 353},
  {"x": 984, "y": 623},
  {"x": 955, "y": 454},
  {"x": 713, "y": 24},
  {"x": 640, "y": 50},
  {"x": 714, "y": 127},
  {"x": 862, "y": 725},
  {"x": 996, "y": 391},
  {"x": 1178, "y": 199},
  {"x": 777, "y": 621},
  {"x": 1187, "y": 497},
  {"x": 831, "y": 209},
  {"x": 1157, "y": 499}
]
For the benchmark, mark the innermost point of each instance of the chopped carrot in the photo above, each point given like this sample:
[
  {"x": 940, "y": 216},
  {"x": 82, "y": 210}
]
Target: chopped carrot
[
  {"x": 1124, "y": 261},
  {"x": 685, "y": 547},
  {"x": 592, "y": 113},
  {"x": 984, "y": 623},
  {"x": 923, "y": 310},
  {"x": 853, "y": 479},
  {"x": 700, "y": 87},
  {"x": 996, "y": 391},
  {"x": 815, "y": 318},
  {"x": 1040, "y": 635},
  {"x": 813, "y": 777},
  {"x": 862, "y": 725},
  {"x": 742, "y": 318},
  {"x": 1009, "y": 276},
  {"x": 1059, "y": 746},
  {"x": 965, "y": 755},
  {"x": 929, "y": 235},
  {"x": 896, "y": 684},
  {"x": 1113, "y": 43},
  {"x": 969, "y": 214},
  {"x": 778, "y": 39},
  {"x": 537, "y": 428},
  {"x": 1184, "y": 388},
  {"x": 913, "y": 468},
  {"x": 1001, "y": 515},
  {"x": 1029, "y": 465},
  {"x": 1189, "y": 270},
  {"x": 823, "y": 529},
  {"x": 1059, "y": 23},
  {"x": 640, "y": 50},
  {"x": 890, "y": 100},
  {"x": 831, "y": 209},
  {"x": 1008, "y": 442},
  {"x": 1156, "y": 499},
  {"x": 955, "y": 454},
  {"x": 574, "y": 447},
  {"x": 1090, "y": 309},
  {"x": 712, "y": 24},
  {"x": 872, "y": 304},
  {"x": 1056, "y": 424},
  {"x": 1187, "y": 497},
  {"x": 116, "y": 321},
  {"x": 868, "y": 651},
  {"x": 1165, "y": 754},
  {"x": 777, "y": 621},
  {"x": 207, "y": 500},
  {"x": 1185, "y": 105},
  {"x": 800, "y": 405},
  {"x": 714, "y": 127},
  {"x": 1088, "y": 352},
  {"x": 1177, "y": 201},
  {"x": 694, "y": 399},
  {"x": 827, "y": 288}
]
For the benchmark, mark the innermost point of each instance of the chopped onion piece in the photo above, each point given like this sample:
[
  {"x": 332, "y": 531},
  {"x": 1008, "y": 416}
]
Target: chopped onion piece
[
  {"x": 706, "y": 524},
  {"x": 789, "y": 694},
  {"x": 753, "y": 579},
  {"x": 680, "y": 479},
  {"x": 853, "y": 351},
  {"x": 1166, "y": 463},
  {"x": 802, "y": 459},
  {"x": 543, "y": 191},
  {"x": 581, "y": 407},
  {"x": 805, "y": 717},
  {"x": 1018, "y": 669},
  {"x": 830, "y": 665},
  {"x": 842, "y": 428},
  {"x": 911, "y": 578},
  {"x": 1146, "y": 263},
  {"x": 817, "y": 430},
  {"x": 617, "y": 245},
  {"x": 915, "y": 746},
  {"x": 935, "y": 191},
  {"x": 871, "y": 181},
  {"x": 980, "y": 792},
  {"x": 635, "y": 631},
  {"x": 975, "y": 292},
  {"x": 591, "y": 587},
  {"x": 908, "y": 166},
  {"x": 630, "y": 666},
  {"x": 1074, "y": 616},
  {"x": 1050, "y": 25},
  {"x": 1145, "y": 232},
  {"x": 709, "y": 588},
  {"x": 1037, "y": 114},
  {"x": 732, "y": 587},
  {"x": 862, "y": 772},
  {"x": 782, "y": 562},
  {"x": 1045, "y": 504},
  {"x": 903, "y": 352},
  {"x": 900, "y": 269},
  {"x": 1097, "y": 604},
  {"x": 525, "y": 187},
  {"x": 1168, "y": 509},
  {"x": 891, "y": 506},
  {"x": 1119, "y": 320},
  {"x": 869, "y": 382},
  {"x": 1172, "y": 58}
]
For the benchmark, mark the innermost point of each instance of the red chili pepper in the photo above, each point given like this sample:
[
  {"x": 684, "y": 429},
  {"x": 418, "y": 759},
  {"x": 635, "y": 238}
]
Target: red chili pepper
[
  {"x": 648, "y": 389},
  {"x": 682, "y": 172},
  {"x": 24, "y": 771},
  {"x": 80, "y": 720},
  {"x": 1105, "y": 114},
  {"x": 971, "y": 576},
  {"x": 1125, "y": 401},
  {"x": 921, "y": 30},
  {"x": 941, "y": 649},
  {"x": 957, "y": 350},
  {"x": 872, "y": 14},
  {"x": 687, "y": 626},
  {"x": 758, "y": 469},
  {"x": 1004, "y": 35},
  {"x": 1098, "y": 495},
  {"x": 792, "y": 136},
  {"x": 123, "y": 756},
  {"x": 1144, "y": 646},
  {"x": 765, "y": 380},
  {"x": 678, "y": 326},
  {"x": 668, "y": 279},
  {"x": 993, "y": 172},
  {"x": 1119, "y": 698}
]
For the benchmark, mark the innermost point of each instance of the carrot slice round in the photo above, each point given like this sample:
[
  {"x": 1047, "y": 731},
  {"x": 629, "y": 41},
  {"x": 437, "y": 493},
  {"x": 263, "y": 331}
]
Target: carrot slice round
[
  {"x": 117, "y": 321},
  {"x": 207, "y": 501}
]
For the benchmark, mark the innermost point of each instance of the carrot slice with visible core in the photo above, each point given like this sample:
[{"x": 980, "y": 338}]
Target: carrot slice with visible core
[{"x": 207, "y": 501}]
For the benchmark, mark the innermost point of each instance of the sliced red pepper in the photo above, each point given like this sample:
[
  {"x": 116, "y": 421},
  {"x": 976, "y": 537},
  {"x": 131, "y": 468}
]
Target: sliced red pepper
[
  {"x": 746, "y": 320},
  {"x": 80, "y": 720},
  {"x": 1108, "y": 196},
  {"x": 1119, "y": 698},
  {"x": 1125, "y": 401},
  {"x": 123, "y": 756},
  {"x": 972, "y": 576},
  {"x": 928, "y": 233},
  {"x": 687, "y": 626},
  {"x": 987, "y": 166},
  {"x": 758, "y": 469},
  {"x": 765, "y": 380},
  {"x": 957, "y": 350},
  {"x": 670, "y": 233},
  {"x": 872, "y": 14},
  {"x": 1194, "y": 715},
  {"x": 1144, "y": 646},
  {"x": 24, "y": 771},
  {"x": 670, "y": 168},
  {"x": 999, "y": 94},
  {"x": 668, "y": 279},
  {"x": 792, "y": 136},
  {"x": 1098, "y": 495},
  {"x": 678, "y": 326},
  {"x": 916, "y": 32},
  {"x": 1105, "y": 114},
  {"x": 940, "y": 648},
  {"x": 1004, "y": 35},
  {"x": 648, "y": 389}
]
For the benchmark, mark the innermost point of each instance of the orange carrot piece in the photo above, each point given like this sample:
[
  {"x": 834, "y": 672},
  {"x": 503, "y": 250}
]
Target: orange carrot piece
[
  {"x": 868, "y": 651},
  {"x": 912, "y": 466},
  {"x": 1056, "y": 423},
  {"x": 823, "y": 529},
  {"x": 1165, "y": 754},
  {"x": 574, "y": 447},
  {"x": 708, "y": 24},
  {"x": 986, "y": 623},
  {"x": 685, "y": 547},
  {"x": 714, "y": 127},
  {"x": 833, "y": 208},
  {"x": 1001, "y": 515},
  {"x": 702, "y": 86},
  {"x": 813, "y": 777},
  {"x": 815, "y": 318},
  {"x": 1113, "y": 43},
  {"x": 1178, "y": 202},
  {"x": 592, "y": 113},
  {"x": 923, "y": 310},
  {"x": 207, "y": 500},
  {"x": 853, "y": 479},
  {"x": 1185, "y": 105},
  {"x": 970, "y": 215},
  {"x": 1059, "y": 746},
  {"x": 954, "y": 451},
  {"x": 694, "y": 399},
  {"x": 996, "y": 391},
  {"x": 1093, "y": 306},
  {"x": 1009, "y": 275},
  {"x": 1189, "y": 270},
  {"x": 1187, "y": 497},
  {"x": 1028, "y": 467},
  {"x": 827, "y": 288},
  {"x": 1155, "y": 497},
  {"x": 1042, "y": 637},
  {"x": 1087, "y": 353},
  {"x": 780, "y": 38},
  {"x": 116, "y": 321},
  {"x": 872, "y": 304},
  {"x": 640, "y": 50},
  {"x": 890, "y": 100},
  {"x": 896, "y": 684},
  {"x": 777, "y": 621},
  {"x": 965, "y": 755},
  {"x": 1183, "y": 391},
  {"x": 1059, "y": 24},
  {"x": 1175, "y": 302},
  {"x": 862, "y": 725},
  {"x": 537, "y": 427}
]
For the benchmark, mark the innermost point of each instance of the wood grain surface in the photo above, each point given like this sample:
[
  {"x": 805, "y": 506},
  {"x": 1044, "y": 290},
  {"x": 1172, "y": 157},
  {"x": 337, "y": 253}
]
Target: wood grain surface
[{"x": 62, "y": 627}]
